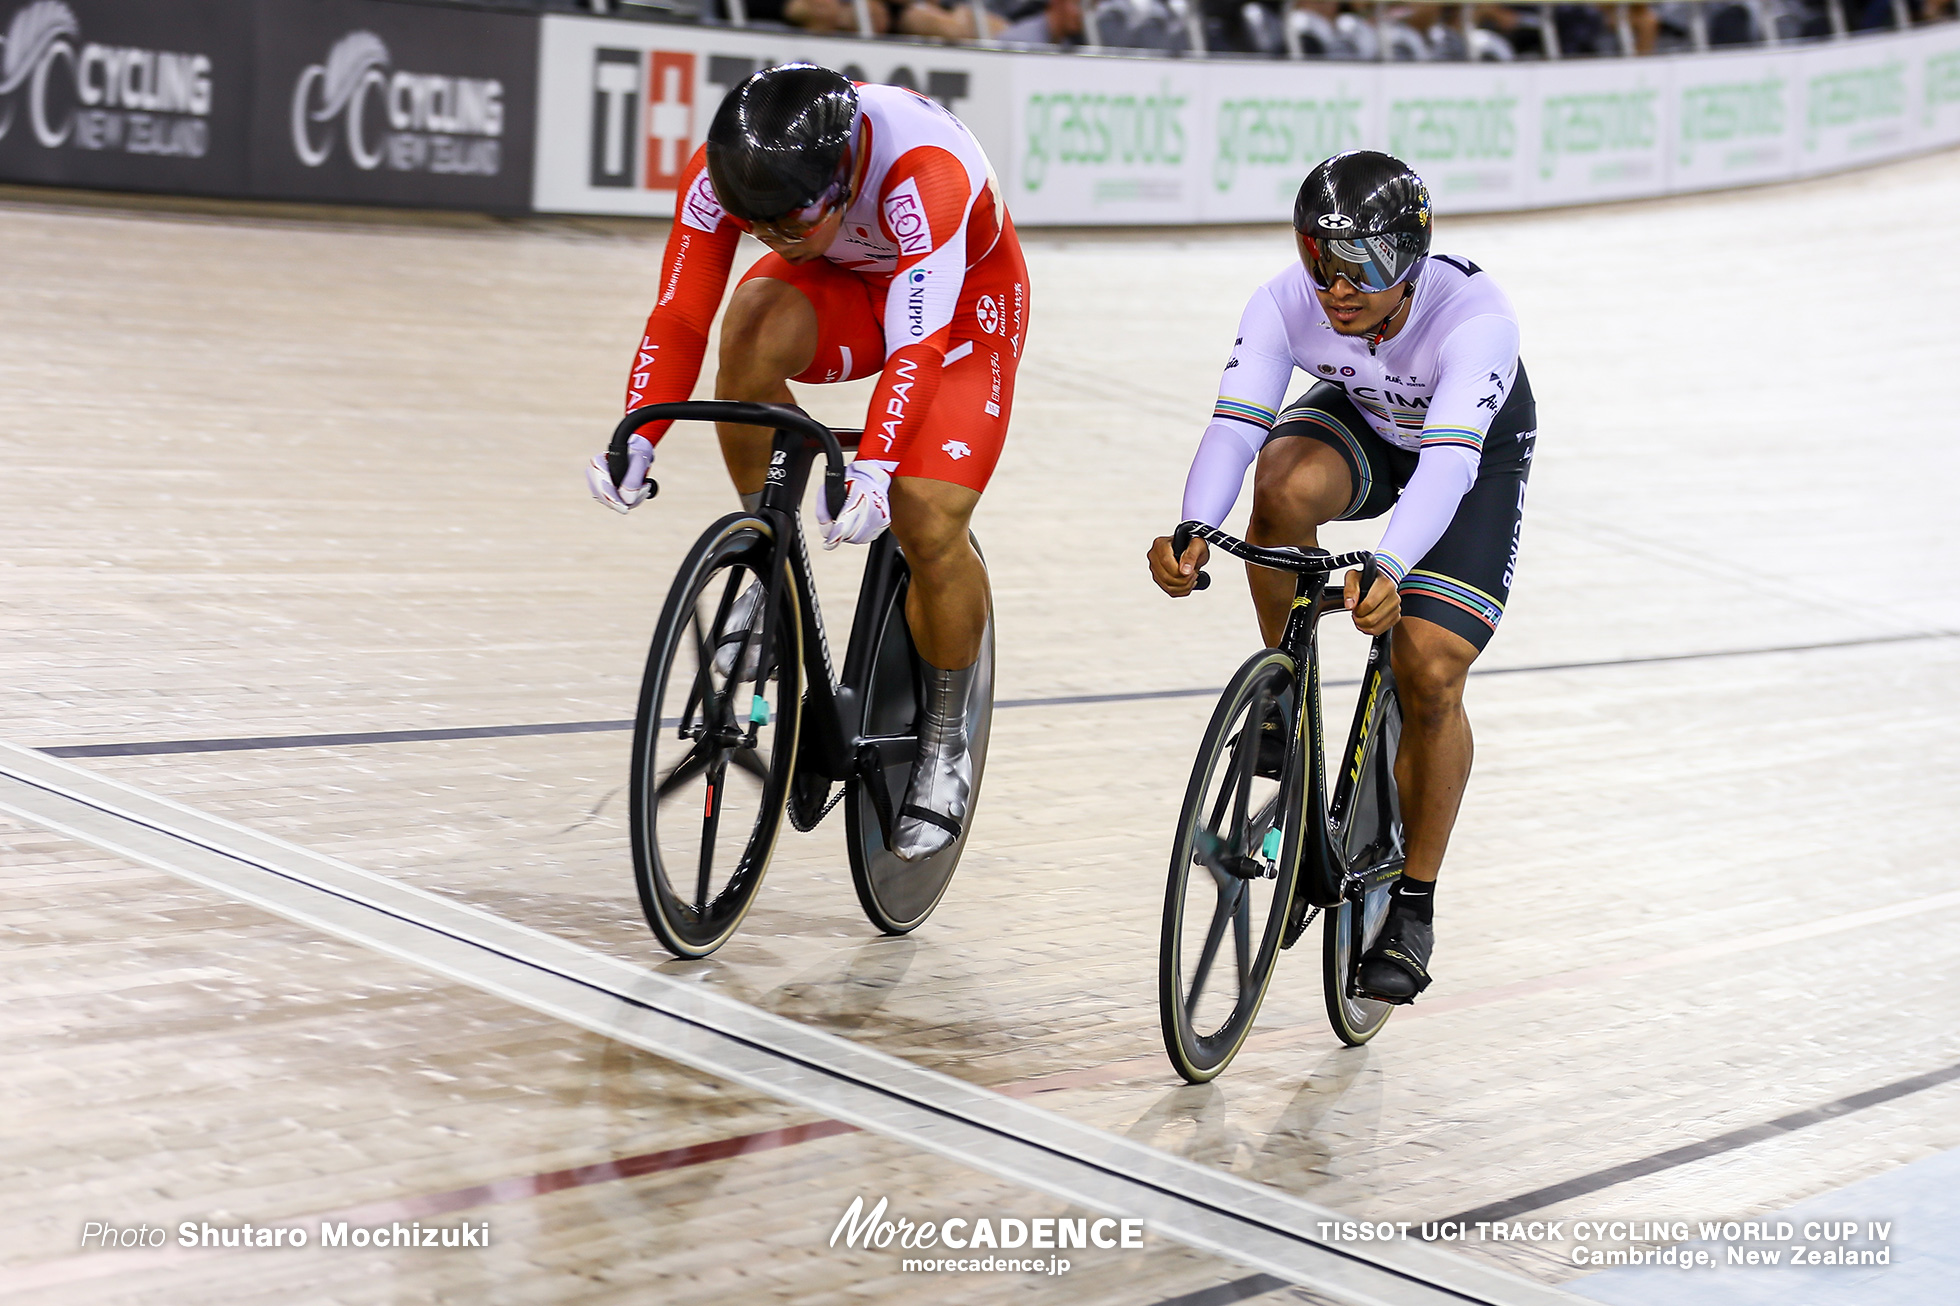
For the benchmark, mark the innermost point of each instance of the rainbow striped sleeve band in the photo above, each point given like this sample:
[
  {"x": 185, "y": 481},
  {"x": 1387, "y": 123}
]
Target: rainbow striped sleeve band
[
  {"x": 1454, "y": 592},
  {"x": 1241, "y": 410},
  {"x": 1392, "y": 567},
  {"x": 1462, "y": 437}
]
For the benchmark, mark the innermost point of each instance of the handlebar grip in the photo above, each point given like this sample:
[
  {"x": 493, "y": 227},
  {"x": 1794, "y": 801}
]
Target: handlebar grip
[
  {"x": 1180, "y": 541},
  {"x": 1369, "y": 570},
  {"x": 833, "y": 489}
]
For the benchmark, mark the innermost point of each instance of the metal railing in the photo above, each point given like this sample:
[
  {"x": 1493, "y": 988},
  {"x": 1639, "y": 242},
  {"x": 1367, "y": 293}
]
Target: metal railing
[{"x": 1386, "y": 38}]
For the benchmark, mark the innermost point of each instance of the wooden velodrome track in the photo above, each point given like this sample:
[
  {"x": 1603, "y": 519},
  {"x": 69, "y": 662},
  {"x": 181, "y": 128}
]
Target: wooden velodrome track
[{"x": 277, "y": 477}]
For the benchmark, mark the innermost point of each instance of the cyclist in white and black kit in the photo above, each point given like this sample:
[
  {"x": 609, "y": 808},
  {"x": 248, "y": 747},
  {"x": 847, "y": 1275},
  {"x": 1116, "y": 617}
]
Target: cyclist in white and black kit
[{"x": 1420, "y": 405}]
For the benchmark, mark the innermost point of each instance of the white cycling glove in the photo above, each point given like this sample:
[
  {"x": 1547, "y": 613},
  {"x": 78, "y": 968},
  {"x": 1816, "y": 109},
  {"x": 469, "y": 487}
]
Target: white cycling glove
[
  {"x": 633, "y": 487},
  {"x": 867, "y": 505}
]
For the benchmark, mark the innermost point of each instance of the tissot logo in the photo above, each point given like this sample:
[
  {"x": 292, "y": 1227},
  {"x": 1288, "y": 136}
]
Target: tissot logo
[
  {"x": 642, "y": 117},
  {"x": 89, "y": 96},
  {"x": 404, "y": 121}
]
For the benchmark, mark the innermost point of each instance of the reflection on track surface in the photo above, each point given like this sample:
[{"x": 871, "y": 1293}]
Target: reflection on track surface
[{"x": 1690, "y": 896}]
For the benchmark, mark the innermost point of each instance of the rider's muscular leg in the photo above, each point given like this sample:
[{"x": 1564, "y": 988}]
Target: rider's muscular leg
[
  {"x": 1298, "y": 485},
  {"x": 946, "y": 604},
  {"x": 768, "y": 335},
  {"x": 1432, "y": 765}
]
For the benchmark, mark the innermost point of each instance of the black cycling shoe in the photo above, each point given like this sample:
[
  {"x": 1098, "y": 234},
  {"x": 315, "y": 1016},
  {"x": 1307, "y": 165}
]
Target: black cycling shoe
[{"x": 1397, "y": 967}]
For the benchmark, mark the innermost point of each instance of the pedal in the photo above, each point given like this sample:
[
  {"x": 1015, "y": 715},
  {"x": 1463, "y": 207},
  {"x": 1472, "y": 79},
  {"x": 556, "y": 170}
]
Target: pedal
[{"x": 871, "y": 774}]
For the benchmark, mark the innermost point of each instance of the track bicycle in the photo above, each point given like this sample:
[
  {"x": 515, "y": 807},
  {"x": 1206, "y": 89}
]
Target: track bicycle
[
  {"x": 742, "y": 717},
  {"x": 1261, "y": 848}
]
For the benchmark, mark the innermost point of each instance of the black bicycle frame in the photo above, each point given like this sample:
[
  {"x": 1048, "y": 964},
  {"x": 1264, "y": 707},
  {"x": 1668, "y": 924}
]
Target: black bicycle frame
[
  {"x": 834, "y": 745},
  {"x": 1325, "y": 875}
]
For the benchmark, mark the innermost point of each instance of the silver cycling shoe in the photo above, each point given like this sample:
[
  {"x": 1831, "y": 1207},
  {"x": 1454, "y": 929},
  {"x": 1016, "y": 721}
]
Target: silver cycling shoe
[
  {"x": 942, "y": 777},
  {"x": 734, "y": 631}
]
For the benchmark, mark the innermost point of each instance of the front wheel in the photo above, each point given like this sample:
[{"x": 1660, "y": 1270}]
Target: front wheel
[
  {"x": 1230, "y": 882},
  {"x": 714, "y": 742}
]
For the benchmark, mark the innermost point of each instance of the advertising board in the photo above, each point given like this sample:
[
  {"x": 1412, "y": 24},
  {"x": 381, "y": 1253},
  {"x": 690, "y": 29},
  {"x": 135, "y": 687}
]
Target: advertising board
[
  {"x": 395, "y": 104},
  {"x": 1265, "y": 129},
  {"x": 1598, "y": 134},
  {"x": 125, "y": 95},
  {"x": 1469, "y": 129},
  {"x": 1107, "y": 141},
  {"x": 1731, "y": 121},
  {"x": 623, "y": 105}
]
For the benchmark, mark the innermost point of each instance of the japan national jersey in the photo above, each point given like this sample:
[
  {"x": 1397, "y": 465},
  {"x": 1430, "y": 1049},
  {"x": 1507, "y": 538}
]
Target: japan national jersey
[{"x": 925, "y": 208}]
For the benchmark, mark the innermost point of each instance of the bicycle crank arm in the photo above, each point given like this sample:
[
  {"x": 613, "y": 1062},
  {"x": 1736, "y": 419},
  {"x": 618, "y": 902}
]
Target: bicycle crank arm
[{"x": 871, "y": 774}]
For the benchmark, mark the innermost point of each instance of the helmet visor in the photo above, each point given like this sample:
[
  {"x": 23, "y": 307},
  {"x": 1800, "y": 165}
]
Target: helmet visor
[
  {"x": 1370, "y": 263},
  {"x": 796, "y": 224}
]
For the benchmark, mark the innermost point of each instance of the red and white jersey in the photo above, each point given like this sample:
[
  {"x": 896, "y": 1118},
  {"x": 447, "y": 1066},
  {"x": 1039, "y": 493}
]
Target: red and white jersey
[{"x": 924, "y": 209}]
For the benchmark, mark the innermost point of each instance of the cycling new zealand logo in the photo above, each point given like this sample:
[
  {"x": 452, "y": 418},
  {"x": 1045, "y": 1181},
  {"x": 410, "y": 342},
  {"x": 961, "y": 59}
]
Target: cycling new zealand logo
[
  {"x": 67, "y": 93},
  {"x": 394, "y": 118}
]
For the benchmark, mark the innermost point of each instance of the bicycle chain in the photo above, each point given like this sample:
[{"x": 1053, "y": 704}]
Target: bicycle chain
[{"x": 828, "y": 807}]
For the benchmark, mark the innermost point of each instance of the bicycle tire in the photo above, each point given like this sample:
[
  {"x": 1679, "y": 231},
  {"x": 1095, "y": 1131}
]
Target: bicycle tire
[
  {"x": 693, "y": 735},
  {"x": 897, "y": 896},
  {"x": 1371, "y": 845},
  {"x": 1232, "y": 834}
]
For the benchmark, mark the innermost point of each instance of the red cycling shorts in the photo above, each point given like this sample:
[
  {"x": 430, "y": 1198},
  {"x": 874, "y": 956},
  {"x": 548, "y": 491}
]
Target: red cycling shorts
[{"x": 961, "y": 437}]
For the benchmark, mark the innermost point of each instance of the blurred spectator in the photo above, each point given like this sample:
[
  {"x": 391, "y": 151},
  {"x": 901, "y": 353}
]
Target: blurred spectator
[
  {"x": 946, "y": 22},
  {"x": 1059, "y": 22},
  {"x": 813, "y": 15}
]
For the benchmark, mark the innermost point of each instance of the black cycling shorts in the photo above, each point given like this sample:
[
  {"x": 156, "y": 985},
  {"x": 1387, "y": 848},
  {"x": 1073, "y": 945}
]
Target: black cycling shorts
[{"x": 1462, "y": 583}]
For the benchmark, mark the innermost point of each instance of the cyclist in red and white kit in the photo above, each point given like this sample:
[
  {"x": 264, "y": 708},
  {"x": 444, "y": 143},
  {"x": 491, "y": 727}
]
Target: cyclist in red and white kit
[{"x": 891, "y": 254}]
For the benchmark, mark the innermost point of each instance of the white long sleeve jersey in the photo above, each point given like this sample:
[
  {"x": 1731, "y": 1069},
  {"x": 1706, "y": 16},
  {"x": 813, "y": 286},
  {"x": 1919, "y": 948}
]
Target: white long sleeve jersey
[{"x": 1433, "y": 389}]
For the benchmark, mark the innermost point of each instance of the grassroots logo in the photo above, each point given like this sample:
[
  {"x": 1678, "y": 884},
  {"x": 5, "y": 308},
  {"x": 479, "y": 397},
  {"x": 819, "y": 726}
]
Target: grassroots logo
[
  {"x": 1453, "y": 130},
  {"x": 406, "y": 121},
  {"x": 1097, "y": 129},
  {"x": 1601, "y": 122},
  {"x": 91, "y": 96},
  {"x": 1271, "y": 133}
]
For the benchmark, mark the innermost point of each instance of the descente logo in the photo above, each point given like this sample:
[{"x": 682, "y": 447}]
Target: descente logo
[
  {"x": 430, "y": 118},
  {"x": 872, "y": 1231},
  {"x": 89, "y": 96}
]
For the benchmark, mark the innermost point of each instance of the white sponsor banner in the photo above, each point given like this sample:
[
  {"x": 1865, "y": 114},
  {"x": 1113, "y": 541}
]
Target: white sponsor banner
[
  {"x": 622, "y": 106},
  {"x": 1265, "y": 128},
  {"x": 1080, "y": 140},
  {"x": 1732, "y": 121},
  {"x": 1599, "y": 130},
  {"x": 1938, "y": 110},
  {"x": 1855, "y": 102},
  {"x": 1106, "y": 140},
  {"x": 1468, "y": 129}
]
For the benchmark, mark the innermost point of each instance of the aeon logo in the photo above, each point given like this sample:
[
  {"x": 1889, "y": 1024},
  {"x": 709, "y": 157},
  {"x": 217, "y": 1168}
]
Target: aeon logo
[
  {"x": 407, "y": 121},
  {"x": 100, "y": 97}
]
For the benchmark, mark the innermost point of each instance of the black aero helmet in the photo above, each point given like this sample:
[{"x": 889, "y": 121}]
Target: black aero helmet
[
  {"x": 779, "y": 140},
  {"x": 1364, "y": 216}
]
